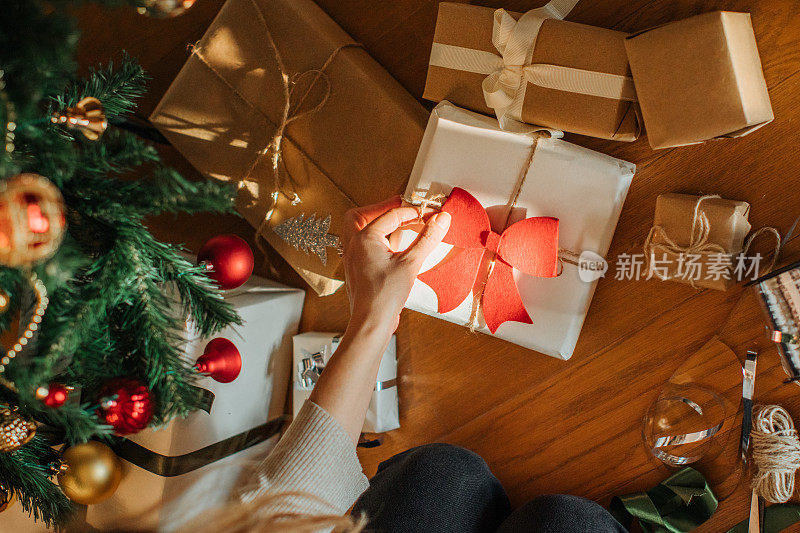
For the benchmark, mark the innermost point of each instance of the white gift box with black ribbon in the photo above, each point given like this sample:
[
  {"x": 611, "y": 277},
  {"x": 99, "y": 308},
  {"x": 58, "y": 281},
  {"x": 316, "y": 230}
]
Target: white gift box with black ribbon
[
  {"x": 313, "y": 350},
  {"x": 175, "y": 472}
]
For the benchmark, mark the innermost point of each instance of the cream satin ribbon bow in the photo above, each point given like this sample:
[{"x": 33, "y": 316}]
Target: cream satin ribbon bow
[{"x": 509, "y": 73}]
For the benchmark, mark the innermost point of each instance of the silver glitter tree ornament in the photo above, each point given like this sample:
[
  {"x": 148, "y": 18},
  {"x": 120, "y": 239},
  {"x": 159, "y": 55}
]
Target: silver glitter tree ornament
[{"x": 308, "y": 234}]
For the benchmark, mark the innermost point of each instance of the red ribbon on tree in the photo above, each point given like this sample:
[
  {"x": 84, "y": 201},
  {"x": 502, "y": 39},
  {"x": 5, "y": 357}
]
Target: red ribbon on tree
[{"x": 530, "y": 246}]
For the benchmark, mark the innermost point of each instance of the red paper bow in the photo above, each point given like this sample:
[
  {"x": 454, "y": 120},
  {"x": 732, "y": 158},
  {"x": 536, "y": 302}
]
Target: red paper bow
[{"x": 530, "y": 245}]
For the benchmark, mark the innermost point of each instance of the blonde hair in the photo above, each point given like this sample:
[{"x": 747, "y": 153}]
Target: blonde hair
[{"x": 250, "y": 517}]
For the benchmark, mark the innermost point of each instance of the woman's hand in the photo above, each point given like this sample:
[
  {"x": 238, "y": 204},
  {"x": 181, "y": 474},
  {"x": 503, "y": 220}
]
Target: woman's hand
[{"x": 378, "y": 278}]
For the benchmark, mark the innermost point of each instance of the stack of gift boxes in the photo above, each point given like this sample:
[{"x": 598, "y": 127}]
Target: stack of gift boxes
[{"x": 507, "y": 85}]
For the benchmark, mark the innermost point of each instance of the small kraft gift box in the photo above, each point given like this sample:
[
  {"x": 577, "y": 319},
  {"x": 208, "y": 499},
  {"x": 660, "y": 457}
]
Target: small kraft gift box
[
  {"x": 534, "y": 68},
  {"x": 279, "y": 100},
  {"x": 694, "y": 238},
  {"x": 313, "y": 350},
  {"x": 699, "y": 79},
  {"x": 175, "y": 472},
  {"x": 516, "y": 200}
]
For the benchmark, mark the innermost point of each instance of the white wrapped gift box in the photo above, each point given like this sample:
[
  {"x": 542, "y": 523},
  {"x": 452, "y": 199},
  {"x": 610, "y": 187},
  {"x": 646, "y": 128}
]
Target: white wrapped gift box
[
  {"x": 584, "y": 189},
  {"x": 312, "y": 351},
  {"x": 147, "y": 501}
]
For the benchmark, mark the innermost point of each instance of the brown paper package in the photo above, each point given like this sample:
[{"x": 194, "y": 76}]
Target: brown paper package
[
  {"x": 699, "y": 79},
  {"x": 358, "y": 149},
  {"x": 728, "y": 228},
  {"x": 559, "y": 43}
]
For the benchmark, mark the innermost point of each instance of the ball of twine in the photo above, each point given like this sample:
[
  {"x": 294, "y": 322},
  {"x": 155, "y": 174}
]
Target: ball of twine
[{"x": 776, "y": 453}]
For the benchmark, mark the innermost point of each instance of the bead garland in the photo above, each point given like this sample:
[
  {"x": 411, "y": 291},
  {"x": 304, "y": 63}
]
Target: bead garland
[
  {"x": 10, "y": 117},
  {"x": 41, "y": 305}
]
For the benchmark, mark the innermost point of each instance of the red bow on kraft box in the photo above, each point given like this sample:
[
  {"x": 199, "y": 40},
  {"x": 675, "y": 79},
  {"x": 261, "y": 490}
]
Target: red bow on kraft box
[{"x": 530, "y": 246}]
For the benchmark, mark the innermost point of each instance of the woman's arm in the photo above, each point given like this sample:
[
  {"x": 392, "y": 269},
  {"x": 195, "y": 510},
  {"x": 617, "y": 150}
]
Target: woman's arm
[
  {"x": 314, "y": 469},
  {"x": 379, "y": 281}
]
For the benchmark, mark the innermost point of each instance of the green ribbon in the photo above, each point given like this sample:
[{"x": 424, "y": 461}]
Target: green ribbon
[
  {"x": 682, "y": 502},
  {"x": 678, "y": 504},
  {"x": 776, "y": 518}
]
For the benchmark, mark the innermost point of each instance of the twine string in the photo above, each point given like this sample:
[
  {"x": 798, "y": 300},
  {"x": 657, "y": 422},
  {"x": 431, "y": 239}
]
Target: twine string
[
  {"x": 776, "y": 453},
  {"x": 477, "y": 297},
  {"x": 424, "y": 202},
  {"x": 775, "y": 252},
  {"x": 290, "y": 113}
]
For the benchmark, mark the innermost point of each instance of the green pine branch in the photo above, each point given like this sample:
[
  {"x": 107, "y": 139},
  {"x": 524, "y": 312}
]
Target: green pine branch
[
  {"x": 152, "y": 334},
  {"x": 26, "y": 471},
  {"x": 117, "y": 88}
]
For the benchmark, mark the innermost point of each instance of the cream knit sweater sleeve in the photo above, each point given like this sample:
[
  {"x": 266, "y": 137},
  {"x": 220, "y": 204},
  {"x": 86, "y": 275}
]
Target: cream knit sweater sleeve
[{"x": 314, "y": 466}]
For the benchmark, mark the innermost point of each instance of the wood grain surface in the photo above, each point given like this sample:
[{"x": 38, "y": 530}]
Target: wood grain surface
[{"x": 545, "y": 425}]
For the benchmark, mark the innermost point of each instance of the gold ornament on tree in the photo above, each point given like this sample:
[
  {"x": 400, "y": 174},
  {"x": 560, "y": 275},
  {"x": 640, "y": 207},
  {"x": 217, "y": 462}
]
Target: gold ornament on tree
[
  {"x": 164, "y": 8},
  {"x": 87, "y": 116},
  {"x": 91, "y": 473},
  {"x": 31, "y": 220},
  {"x": 15, "y": 430},
  {"x": 5, "y": 300},
  {"x": 6, "y": 497}
]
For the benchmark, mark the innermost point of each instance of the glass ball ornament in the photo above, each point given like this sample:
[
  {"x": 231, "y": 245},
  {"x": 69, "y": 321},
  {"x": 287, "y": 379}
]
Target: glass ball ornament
[
  {"x": 54, "y": 395},
  {"x": 228, "y": 260},
  {"x": 164, "y": 8},
  {"x": 126, "y": 405},
  {"x": 32, "y": 220},
  {"x": 91, "y": 473}
]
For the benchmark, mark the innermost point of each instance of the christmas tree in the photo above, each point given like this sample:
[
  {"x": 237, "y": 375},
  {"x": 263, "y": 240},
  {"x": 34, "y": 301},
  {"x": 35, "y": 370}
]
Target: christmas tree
[{"x": 98, "y": 300}]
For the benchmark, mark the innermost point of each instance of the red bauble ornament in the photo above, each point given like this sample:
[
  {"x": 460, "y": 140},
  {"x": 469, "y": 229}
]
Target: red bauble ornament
[
  {"x": 126, "y": 405},
  {"x": 222, "y": 361},
  {"x": 31, "y": 220},
  {"x": 54, "y": 395},
  {"x": 228, "y": 259}
]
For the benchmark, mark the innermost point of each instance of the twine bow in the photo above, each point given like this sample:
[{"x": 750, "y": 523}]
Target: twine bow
[
  {"x": 509, "y": 72},
  {"x": 658, "y": 240}
]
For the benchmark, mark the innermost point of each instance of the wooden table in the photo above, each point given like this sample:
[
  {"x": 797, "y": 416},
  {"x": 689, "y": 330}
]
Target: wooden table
[{"x": 542, "y": 424}]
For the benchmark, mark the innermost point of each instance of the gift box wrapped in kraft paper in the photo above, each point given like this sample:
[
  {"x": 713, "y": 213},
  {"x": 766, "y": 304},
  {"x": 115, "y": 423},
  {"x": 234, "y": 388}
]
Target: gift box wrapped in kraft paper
[
  {"x": 534, "y": 68},
  {"x": 524, "y": 207},
  {"x": 694, "y": 238},
  {"x": 311, "y": 353},
  {"x": 699, "y": 79},
  {"x": 175, "y": 472},
  {"x": 348, "y": 138}
]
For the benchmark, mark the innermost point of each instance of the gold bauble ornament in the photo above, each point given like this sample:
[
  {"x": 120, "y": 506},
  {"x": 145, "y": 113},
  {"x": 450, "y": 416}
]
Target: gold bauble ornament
[
  {"x": 6, "y": 497},
  {"x": 87, "y": 116},
  {"x": 15, "y": 430},
  {"x": 31, "y": 220},
  {"x": 5, "y": 300},
  {"x": 91, "y": 474},
  {"x": 165, "y": 8}
]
